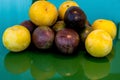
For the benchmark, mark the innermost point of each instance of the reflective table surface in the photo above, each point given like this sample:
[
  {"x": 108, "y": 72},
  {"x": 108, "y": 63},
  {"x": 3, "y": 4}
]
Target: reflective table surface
[{"x": 51, "y": 65}]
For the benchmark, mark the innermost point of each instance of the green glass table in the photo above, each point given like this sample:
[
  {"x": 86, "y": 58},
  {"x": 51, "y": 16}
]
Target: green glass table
[{"x": 49, "y": 65}]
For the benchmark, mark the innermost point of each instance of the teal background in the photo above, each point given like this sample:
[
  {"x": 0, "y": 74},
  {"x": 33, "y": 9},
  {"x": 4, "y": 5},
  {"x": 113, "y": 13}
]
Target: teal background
[{"x": 13, "y": 12}]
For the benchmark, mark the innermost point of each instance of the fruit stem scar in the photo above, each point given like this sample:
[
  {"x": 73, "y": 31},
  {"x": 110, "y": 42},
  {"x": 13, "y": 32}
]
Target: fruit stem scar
[
  {"x": 100, "y": 21},
  {"x": 67, "y": 5},
  {"x": 46, "y": 9}
]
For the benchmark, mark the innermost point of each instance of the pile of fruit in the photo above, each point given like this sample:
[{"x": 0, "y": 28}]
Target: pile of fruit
[{"x": 66, "y": 28}]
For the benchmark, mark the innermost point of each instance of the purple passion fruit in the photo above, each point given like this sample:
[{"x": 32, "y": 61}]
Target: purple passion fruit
[
  {"x": 67, "y": 40},
  {"x": 43, "y": 37},
  {"x": 75, "y": 18}
]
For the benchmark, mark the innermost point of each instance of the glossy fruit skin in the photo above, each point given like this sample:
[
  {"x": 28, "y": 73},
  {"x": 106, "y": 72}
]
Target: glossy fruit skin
[
  {"x": 106, "y": 25},
  {"x": 43, "y": 13},
  {"x": 64, "y": 6},
  {"x": 75, "y": 18},
  {"x": 67, "y": 40},
  {"x": 29, "y": 25},
  {"x": 98, "y": 43},
  {"x": 16, "y": 38},
  {"x": 43, "y": 37}
]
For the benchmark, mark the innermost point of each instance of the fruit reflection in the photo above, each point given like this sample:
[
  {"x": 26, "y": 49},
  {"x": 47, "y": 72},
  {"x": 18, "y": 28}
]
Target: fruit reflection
[
  {"x": 17, "y": 63},
  {"x": 95, "y": 68},
  {"x": 66, "y": 65},
  {"x": 41, "y": 67},
  {"x": 79, "y": 75}
]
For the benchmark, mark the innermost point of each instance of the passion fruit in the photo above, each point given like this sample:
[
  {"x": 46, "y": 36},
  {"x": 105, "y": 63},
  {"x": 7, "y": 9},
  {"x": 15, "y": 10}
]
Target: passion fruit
[
  {"x": 75, "y": 18},
  {"x": 29, "y": 25},
  {"x": 43, "y": 37},
  {"x": 67, "y": 40}
]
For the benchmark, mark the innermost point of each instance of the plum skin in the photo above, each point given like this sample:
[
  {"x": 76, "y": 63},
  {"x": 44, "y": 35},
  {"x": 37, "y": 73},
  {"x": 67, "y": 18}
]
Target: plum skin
[
  {"x": 67, "y": 40},
  {"x": 43, "y": 37},
  {"x": 29, "y": 25},
  {"x": 75, "y": 18}
]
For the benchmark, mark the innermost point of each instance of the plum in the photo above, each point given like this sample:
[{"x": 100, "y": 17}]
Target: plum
[
  {"x": 67, "y": 40},
  {"x": 43, "y": 37},
  {"x": 75, "y": 18},
  {"x": 29, "y": 25}
]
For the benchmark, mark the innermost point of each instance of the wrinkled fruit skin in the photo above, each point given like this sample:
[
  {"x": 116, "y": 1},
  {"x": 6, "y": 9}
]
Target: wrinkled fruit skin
[
  {"x": 75, "y": 18},
  {"x": 43, "y": 37},
  {"x": 29, "y": 25},
  {"x": 67, "y": 40}
]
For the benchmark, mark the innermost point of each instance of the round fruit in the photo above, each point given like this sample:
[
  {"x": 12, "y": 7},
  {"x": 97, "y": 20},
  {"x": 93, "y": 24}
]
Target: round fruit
[
  {"x": 64, "y": 6},
  {"x": 43, "y": 13},
  {"x": 16, "y": 38},
  {"x": 67, "y": 40},
  {"x": 98, "y": 43},
  {"x": 59, "y": 25},
  {"x": 43, "y": 37},
  {"x": 106, "y": 25},
  {"x": 75, "y": 18},
  {"x": 29, "y": 25}
]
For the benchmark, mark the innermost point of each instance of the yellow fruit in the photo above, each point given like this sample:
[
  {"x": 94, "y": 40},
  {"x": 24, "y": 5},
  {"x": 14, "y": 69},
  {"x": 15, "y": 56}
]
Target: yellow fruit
[
  {"x": 43, "y": 13},
  {"x": 64, "y": 6},
  {"x": 98, "y": 43},
  {"x": 107, "y": 25},
  {"x": 16, "y": 38}
]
